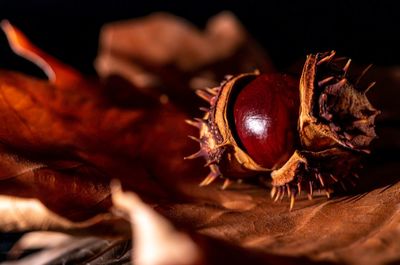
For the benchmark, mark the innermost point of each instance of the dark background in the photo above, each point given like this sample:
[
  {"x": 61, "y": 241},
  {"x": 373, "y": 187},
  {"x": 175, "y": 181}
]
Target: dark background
[{"x": 367, "y": 31}]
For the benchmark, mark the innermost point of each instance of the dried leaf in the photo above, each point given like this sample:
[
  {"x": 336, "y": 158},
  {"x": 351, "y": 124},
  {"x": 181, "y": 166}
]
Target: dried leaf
[
  {"x": 163, "y": 51},
  {"x": 65, "y": 249},
  {"x": 50, "y": 139},
  {"x": 38, "y": 240},
  {"x": 12, "y": 166},
  {"x": 156, "y": 240},
  {"x": 354, "y": 229},
  {"x": 57, "y": 72}
]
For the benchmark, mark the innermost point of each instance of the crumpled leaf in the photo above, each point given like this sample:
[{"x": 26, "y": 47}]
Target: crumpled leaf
[
  {"x": 94, "y": 138},
  {"x": 21, "y": 214},
  {"x": 353, "y": 229},
  {"x": 165, "y": 55},
  {"x": 50, "y": 136},
  {"x": 58, "y": 73},
  {"x": 58, "y": 248},
  {"x": 157, "y": 242}
]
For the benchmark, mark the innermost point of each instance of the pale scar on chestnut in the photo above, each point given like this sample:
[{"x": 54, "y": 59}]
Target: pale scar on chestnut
[{"x": 303, "y": 136}]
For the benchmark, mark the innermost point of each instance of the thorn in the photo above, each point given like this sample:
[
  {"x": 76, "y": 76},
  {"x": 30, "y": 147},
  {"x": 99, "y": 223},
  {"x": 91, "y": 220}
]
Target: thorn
[
  {"x": 201, "y": 121},
  {"x": 195, "y": 155},
  {"x": 273, "y": 192},
  {"x": 208, "y": 180},
  {"x": 227, "y": 77},
  {"x": 213, "y": 91},
  {"x": 204, "y": 95},
  {"x": 310, "y": 194},
  {"x": 209, "y": 163},
  {"x": 194, "y": 138},
  {"x": 342, "y": 82},
  {"x": 369, "y": 87},
  {"x": 338, "y": 59},
  {"x": 326, "y": 58},
  {"x": 292, "y": 200},
  {"x": 328, "y": 195},
  {"x": 343, "y": 186},
  {"x": 333, "y": 177},
  {"x": 193, "y": 123},
  {"x": 366, "y": 151},
  {"x": 298, "y": 187},
  {"x": 363, "y": 73},
  {"x": 282, "y": 193},
  {"x": 214, "y": 169},
  {"x": 278, "y": 194},
  {"x": 346, "y": 67},
  {"x": 289, "y": 192},
  {"x": 321, "y": 180},
  {"x": 325, "y": 81},
  {"x": 348, "y": 136},
  {"x": 227, "y": 182},
  {"x": 356, "y": 176},
  {"x": 204, "y": 109}
]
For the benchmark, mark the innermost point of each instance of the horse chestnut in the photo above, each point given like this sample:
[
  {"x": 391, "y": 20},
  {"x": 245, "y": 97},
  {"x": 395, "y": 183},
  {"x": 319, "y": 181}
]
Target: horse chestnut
[
  {"x": 265, "y": 113},
  {"x": 311, "y": 138}
]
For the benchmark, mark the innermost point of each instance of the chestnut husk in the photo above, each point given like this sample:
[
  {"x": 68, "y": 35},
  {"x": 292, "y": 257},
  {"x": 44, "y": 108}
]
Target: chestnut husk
[{"x": 335, "y": 129}]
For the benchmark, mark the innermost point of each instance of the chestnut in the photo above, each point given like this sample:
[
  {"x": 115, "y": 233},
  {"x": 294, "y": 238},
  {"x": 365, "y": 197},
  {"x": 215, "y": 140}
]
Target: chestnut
[
  {"x": 304, "y": 135},
  {"x": 265, "y": 115}
]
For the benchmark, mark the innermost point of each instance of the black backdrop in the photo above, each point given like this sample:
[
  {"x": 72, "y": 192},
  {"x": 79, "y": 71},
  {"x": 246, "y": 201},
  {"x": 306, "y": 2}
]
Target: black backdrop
[{"x": 367, "y": 31}]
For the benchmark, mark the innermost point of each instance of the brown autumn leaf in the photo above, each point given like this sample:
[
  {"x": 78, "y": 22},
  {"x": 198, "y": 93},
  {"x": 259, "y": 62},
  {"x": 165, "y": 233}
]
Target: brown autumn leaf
[
  {"x": 363, "y": 228},
  {"x": 360, "y": 227},
  {"x": 63, "y": 143},
  {"x": 156, "y": 242},
  {"x": 163, "y": 54}
]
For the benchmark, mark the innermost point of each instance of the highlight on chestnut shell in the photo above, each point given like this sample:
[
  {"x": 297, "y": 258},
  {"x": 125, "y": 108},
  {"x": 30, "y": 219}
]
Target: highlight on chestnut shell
[
  {"x": 304, "y": 135},
  {"x": 265, "y": 114}
]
